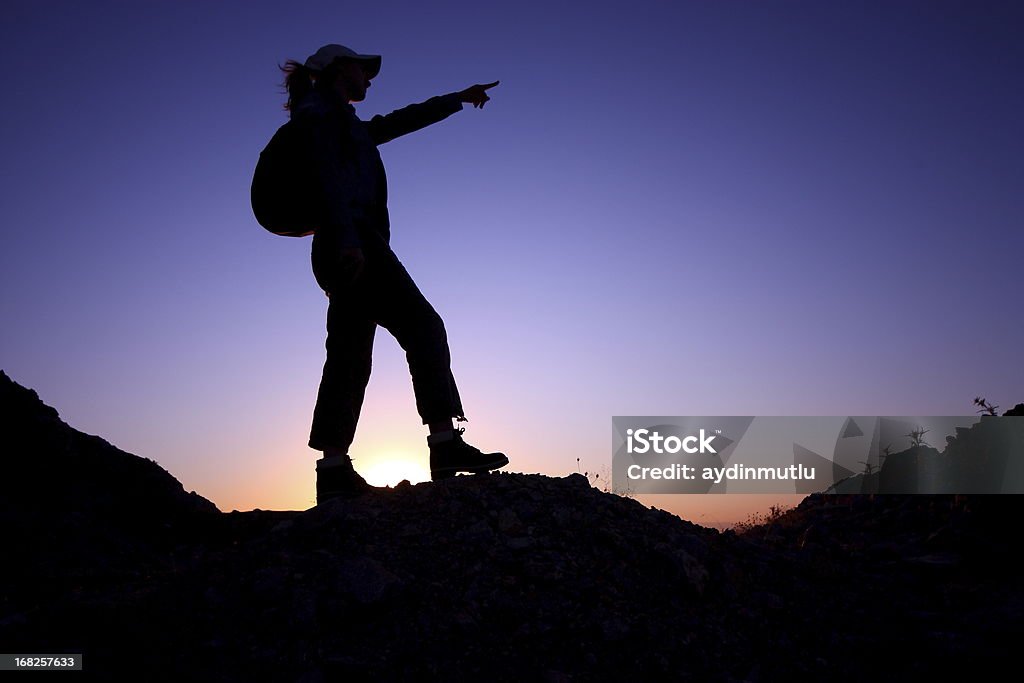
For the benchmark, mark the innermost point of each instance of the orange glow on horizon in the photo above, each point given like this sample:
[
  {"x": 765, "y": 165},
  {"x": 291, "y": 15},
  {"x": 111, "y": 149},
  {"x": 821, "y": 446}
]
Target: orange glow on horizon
[{"x": 387, "y": 470}]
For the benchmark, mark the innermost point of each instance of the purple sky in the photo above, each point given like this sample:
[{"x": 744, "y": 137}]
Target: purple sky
[{"x": 691, "y": 208}]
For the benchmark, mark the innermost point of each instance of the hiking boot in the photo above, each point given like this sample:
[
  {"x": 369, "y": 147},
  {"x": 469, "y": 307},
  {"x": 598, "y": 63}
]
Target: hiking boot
[
  {"x": 449, "y": 454},
  {"x": 336, "y": 478}
]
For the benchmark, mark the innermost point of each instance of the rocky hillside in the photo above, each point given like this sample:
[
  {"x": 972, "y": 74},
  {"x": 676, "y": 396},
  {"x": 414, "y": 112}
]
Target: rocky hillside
[{"x": 491, "y": 577}]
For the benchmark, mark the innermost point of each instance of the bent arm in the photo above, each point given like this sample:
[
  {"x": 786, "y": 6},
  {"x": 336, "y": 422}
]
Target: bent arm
[{"x": 387, "y": 127}]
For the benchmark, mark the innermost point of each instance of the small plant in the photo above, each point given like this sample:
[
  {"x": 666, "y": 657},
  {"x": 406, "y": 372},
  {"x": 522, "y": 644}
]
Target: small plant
[
  {"x": 753, "y": 520},
  {"x": 917, "y": 437},
  {"x": 603, "y": 483},
  {"x": 985, "y": 407},
  {"x": 757, "y": 519}
]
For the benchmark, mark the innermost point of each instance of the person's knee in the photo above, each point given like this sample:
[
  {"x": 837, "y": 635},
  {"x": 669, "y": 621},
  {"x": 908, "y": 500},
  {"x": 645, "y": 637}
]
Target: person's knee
[
  {"x": 423, "y": 334},
  {"x": 434, "y": 325},
  {"x": 363, "y": 371},
  {"x": 433, "y": 331},
  {"x": 350, "y": 340}
]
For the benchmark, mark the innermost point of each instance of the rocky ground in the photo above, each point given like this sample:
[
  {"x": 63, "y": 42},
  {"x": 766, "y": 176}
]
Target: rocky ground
[{"x": 493, "y": 577}]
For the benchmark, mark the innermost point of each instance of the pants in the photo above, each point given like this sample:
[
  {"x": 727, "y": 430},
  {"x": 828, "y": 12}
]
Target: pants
[{"x": 384, "y": 294}]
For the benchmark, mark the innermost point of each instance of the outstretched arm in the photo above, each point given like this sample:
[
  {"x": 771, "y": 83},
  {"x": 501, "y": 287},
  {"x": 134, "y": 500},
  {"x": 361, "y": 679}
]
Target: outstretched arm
[{"x": 384, "y": 128}]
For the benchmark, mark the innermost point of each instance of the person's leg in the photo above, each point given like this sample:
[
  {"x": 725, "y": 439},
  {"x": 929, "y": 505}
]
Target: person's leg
[
  {"x": 400, "y": 307},
  {"x": 340, "y": 399},
  {"x": 345, "y": 376},
  {"x": 350, "y": 332}
]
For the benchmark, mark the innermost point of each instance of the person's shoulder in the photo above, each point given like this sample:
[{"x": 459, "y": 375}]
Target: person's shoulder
[
  {"x": 315, "y": 104},
  {"x": 311, "y": 104}
]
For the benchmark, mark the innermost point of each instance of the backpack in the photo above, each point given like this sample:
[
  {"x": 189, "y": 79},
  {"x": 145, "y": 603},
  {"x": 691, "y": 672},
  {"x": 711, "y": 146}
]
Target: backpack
[{"x": 280, "y": 193}]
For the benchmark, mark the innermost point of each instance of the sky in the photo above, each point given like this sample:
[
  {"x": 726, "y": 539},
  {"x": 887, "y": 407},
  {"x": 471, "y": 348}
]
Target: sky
[{"x": 686, "y": 208}]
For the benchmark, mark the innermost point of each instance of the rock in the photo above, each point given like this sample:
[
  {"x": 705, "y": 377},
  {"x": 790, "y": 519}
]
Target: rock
[
  {"x": 365, "y": 579},
  {"x": 501, "y": 577}
]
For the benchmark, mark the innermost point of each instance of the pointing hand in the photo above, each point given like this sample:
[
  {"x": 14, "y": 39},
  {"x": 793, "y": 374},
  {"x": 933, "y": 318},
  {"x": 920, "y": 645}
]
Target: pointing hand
[{"x": 476, "y": 94}]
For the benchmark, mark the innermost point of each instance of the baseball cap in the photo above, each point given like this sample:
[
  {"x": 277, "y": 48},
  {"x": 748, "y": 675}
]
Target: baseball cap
[{"x": 319, "y": 60}]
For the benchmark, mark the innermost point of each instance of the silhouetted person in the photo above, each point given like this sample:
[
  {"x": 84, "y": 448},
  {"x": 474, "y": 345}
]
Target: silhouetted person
[{"x": 346, "y": 210}]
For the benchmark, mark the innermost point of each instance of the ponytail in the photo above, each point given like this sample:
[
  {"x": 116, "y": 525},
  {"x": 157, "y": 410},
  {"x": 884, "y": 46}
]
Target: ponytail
[{"x": 298, "y": 81}]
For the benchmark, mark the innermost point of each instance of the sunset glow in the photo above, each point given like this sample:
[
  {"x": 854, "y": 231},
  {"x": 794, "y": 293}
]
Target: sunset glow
[{"x": 389, "y": 470}]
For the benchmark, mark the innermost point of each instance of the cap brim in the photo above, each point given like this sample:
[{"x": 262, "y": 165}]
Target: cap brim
[{"x": 371, "y": 62}]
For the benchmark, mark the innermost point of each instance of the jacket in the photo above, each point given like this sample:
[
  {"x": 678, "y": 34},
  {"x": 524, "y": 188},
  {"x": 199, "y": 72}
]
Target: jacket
[{"x": 348, "y": 180}]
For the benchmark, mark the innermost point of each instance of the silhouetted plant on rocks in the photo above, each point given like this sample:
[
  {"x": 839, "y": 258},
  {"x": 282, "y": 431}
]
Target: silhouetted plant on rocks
[
  {"x": 757, "y": 519},
  {"x": 602, "y": 481},
  {"x": 917, "y": 437},
  {"x": 985, "y": 406}
]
